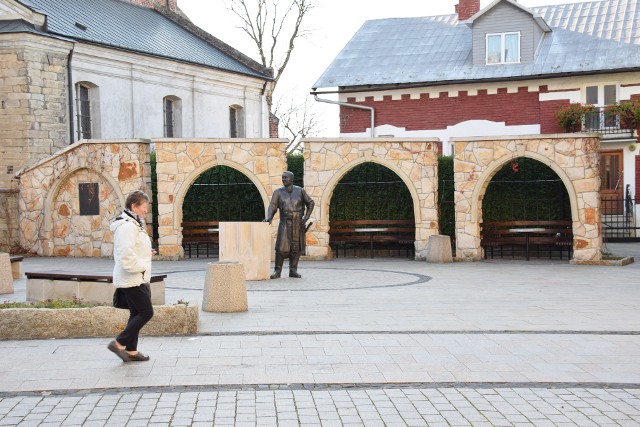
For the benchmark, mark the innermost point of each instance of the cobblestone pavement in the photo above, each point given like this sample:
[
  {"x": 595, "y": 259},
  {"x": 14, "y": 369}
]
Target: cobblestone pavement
[
  {"x": 357, "y": 342},
  {"x": 412, "y": 406}
]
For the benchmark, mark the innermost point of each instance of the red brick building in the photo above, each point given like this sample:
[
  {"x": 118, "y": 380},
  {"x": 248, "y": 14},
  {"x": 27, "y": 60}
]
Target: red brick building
[{"x": 502, "y": 70}]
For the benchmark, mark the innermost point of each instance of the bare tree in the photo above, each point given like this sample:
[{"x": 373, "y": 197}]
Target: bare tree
[
  {"x": 298, "y": 120},
  {"x": 274, "y": 26}
]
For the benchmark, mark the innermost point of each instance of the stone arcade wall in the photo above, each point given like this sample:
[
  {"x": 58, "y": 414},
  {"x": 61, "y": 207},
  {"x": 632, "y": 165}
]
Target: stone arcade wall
[
  {"x": 576, "y": 160},
  {"x": 414, "y": 160},
  {"x": 50, "y": 220},
  {"x": 180, "y": 162}
]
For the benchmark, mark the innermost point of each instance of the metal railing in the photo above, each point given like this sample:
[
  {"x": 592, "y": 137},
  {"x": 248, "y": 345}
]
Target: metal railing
[
  {"x": 606, "y": 123},
  {"x": 619, "y": 218}
]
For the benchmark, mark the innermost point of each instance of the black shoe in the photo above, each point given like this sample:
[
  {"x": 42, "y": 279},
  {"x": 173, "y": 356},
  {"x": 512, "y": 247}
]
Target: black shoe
[
  {"x": 138, "y": 357},
  {"x": 121, "y": 353},
  {"x": 276, "y": 274},
  {"x": 294, "y": 274}
]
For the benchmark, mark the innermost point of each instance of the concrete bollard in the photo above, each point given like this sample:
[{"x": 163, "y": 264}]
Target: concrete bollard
[
  {"x": 224, "y": 288},
  {"x": 439, "y": 249},
  {"x": 6, "y": 274}
]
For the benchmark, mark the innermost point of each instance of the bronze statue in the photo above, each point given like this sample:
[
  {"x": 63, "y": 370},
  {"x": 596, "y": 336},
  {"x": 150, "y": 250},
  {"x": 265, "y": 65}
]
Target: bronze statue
[{"x": 295, "y": 207}]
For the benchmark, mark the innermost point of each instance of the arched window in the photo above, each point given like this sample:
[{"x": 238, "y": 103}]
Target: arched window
[
  {"x": 236, "y": 121},
  {"x": 172, "y": 113},
  {"x": 87, "y": 113}
]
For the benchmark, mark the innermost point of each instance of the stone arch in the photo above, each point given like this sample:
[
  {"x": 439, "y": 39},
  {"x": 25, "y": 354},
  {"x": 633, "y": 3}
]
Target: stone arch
[
  {"x": 51, "y": 216},
  {"x": 493, "y": 168},
  {"x": 573, "y": 158},
  {"x": 193, "y": 175},
  {"x": 340, "y": 173},
  {"x": 413, "y": 160}
]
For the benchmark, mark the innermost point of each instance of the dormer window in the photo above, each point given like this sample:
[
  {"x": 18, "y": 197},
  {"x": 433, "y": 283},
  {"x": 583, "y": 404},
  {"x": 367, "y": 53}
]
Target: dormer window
[{"x": 503, "y": 48}]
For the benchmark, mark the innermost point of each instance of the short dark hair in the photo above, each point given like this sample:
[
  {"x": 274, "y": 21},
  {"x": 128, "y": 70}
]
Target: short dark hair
[
  {"x": 288, "y": 173},
  {"x": 136, "y": 198}
]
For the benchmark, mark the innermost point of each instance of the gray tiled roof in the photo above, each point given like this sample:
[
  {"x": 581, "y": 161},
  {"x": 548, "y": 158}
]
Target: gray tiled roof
[
  {"x": 586, "y": 37},
  {"x": 134, "y": 28}
]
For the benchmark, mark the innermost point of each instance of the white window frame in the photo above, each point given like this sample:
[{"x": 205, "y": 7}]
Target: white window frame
[{"x": 502, "y": 48}]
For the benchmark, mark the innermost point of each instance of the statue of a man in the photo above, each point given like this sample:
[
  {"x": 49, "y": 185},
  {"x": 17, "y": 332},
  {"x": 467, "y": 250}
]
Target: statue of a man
[{"x": 295, "y": 207}]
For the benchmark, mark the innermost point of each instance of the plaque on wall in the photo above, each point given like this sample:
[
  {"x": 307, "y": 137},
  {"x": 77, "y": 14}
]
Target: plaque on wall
[{"x": 89, "y": 198}]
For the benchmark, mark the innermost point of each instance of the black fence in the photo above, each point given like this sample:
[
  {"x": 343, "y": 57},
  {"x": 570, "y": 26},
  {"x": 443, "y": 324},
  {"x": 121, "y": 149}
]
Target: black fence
[{"x": 619, "y": 219}]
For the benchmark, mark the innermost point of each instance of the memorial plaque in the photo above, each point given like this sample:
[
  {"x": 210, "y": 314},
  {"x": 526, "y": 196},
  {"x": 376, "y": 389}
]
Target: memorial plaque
[{"x": 89, "y": 194}]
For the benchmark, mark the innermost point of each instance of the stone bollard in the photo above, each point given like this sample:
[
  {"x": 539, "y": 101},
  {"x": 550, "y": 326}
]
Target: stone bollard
[
  {"x": 224, "y": 288},
  {"x": 439, "y": 249},
  {"x": 6, "y": 274}
]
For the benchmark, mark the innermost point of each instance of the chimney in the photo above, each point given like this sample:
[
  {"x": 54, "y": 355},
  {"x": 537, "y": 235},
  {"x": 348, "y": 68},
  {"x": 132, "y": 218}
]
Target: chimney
[
  {"x": 467, "y": 8},
  {"x": 157, "y": 4}
]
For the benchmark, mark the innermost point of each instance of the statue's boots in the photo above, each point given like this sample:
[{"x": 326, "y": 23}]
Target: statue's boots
[
  {"x": 293, "y": 265},
  {"x": 278, "y": 269}
]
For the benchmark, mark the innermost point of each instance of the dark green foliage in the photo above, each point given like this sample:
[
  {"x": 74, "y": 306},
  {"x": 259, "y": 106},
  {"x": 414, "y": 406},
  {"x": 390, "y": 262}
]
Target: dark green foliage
[
  {"x": 295, "y": 164},
  {"x": 222, "y": 194},
  {"x": 528, "y": 190},
  {"x": 446, "y": 205},
  {"x": 371, "y": 191}
]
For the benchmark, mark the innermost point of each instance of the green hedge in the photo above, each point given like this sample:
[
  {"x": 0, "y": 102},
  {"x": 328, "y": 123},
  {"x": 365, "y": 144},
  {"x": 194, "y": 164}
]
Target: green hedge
[
  {"x": 523, "y": 189},
  {"x": 370, "y": 191}
]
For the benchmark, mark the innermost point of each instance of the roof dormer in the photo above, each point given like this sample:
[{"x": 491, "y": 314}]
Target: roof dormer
[{"x": 506, "y": 33}]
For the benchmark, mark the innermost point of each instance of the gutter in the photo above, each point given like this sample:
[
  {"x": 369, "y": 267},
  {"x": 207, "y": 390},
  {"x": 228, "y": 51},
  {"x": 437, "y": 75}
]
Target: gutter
[
  {"x": 388, "y": 87},
  {"x": 347, "y": 104}
]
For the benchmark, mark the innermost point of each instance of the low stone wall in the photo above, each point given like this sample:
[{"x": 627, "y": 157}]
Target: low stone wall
[{"x": 42, "y": 323}]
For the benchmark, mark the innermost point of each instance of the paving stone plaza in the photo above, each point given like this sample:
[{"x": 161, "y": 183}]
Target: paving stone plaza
[{"x": 357, "y": 342}]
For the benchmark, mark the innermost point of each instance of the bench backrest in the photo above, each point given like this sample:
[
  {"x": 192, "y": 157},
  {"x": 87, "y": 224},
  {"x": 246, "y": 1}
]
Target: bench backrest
[
  {"x": 197, "y": 228},
  {"x": 391, "y": 226},
  {"x": 502, "y": 228}
]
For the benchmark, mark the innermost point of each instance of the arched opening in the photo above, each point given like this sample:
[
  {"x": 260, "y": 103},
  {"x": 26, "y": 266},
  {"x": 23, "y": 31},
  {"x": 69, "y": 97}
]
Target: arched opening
[
  {"x": 526, "y": 211},
  {"x": 371, "y": 212},
  {"x": 221, "y": 193}
]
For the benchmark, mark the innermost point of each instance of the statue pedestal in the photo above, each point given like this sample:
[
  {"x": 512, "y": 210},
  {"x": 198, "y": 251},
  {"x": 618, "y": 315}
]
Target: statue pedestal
[{"x": 248, "y": 243}]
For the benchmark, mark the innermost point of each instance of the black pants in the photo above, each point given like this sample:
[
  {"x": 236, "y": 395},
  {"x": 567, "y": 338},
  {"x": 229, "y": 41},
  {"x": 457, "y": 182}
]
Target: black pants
[{"x": 140, "y": 312}]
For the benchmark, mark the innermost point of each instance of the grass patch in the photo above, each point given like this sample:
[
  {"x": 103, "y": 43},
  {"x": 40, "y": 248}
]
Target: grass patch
[{"x": 50, "y": 303}]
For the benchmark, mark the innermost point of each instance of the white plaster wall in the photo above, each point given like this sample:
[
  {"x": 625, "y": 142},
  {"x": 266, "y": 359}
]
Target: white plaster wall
[
  {"x": 132, "y": 87},
  {"x": 628, "y": 164}
]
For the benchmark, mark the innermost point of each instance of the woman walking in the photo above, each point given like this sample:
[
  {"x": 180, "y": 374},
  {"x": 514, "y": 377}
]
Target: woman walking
[{"x": 132, "y": 273}]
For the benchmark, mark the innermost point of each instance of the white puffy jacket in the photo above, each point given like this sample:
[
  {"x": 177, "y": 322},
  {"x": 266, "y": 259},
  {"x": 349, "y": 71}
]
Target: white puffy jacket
[{"x": 131, "y": 252}]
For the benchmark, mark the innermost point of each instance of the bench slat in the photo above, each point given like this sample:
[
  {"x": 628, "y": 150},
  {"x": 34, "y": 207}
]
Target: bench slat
[{"x": 83, "y": 277}]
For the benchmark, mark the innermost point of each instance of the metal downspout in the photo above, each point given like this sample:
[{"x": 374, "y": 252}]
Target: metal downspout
[
  {"x": 346, "y": 104},
  {"x": 70, "y": 90}
]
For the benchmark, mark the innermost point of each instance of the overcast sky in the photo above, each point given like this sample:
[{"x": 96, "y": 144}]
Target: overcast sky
[{"x": 333, "y": 23}]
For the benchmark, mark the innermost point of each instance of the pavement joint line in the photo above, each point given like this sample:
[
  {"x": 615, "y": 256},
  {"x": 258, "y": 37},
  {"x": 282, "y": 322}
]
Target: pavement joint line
[
  {"x": 309, "y": 333},
  {"x": 420, "y": 278},
  {"x": 324, "y": 386}
]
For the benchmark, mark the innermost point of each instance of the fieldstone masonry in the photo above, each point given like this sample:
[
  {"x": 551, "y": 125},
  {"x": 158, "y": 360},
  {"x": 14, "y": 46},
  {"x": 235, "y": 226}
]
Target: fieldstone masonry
[
  {"x": 33, "y": 112},
  {"x": 414, "y": 160},
  {"x": 575, "y": 159},
  {"x": 50, "y": 220},
  {"x": 180, "y": 162}
]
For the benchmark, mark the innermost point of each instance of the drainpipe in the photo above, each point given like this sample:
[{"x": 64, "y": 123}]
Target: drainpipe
[
  {"x": 264, "y": 89},
  {"x": 70, "y": 90},
  {"x": 346, "y": 104}
]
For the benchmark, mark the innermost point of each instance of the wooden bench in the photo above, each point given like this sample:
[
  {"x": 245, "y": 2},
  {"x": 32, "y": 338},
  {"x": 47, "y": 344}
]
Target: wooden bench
[
  {"x": 199, "y": 233},
  {"x": 551, "y": 234},
  {"x": 399, "y": 232},
  {"x": 16, "y": 266},
  {"x": 91, "y": 288}
]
